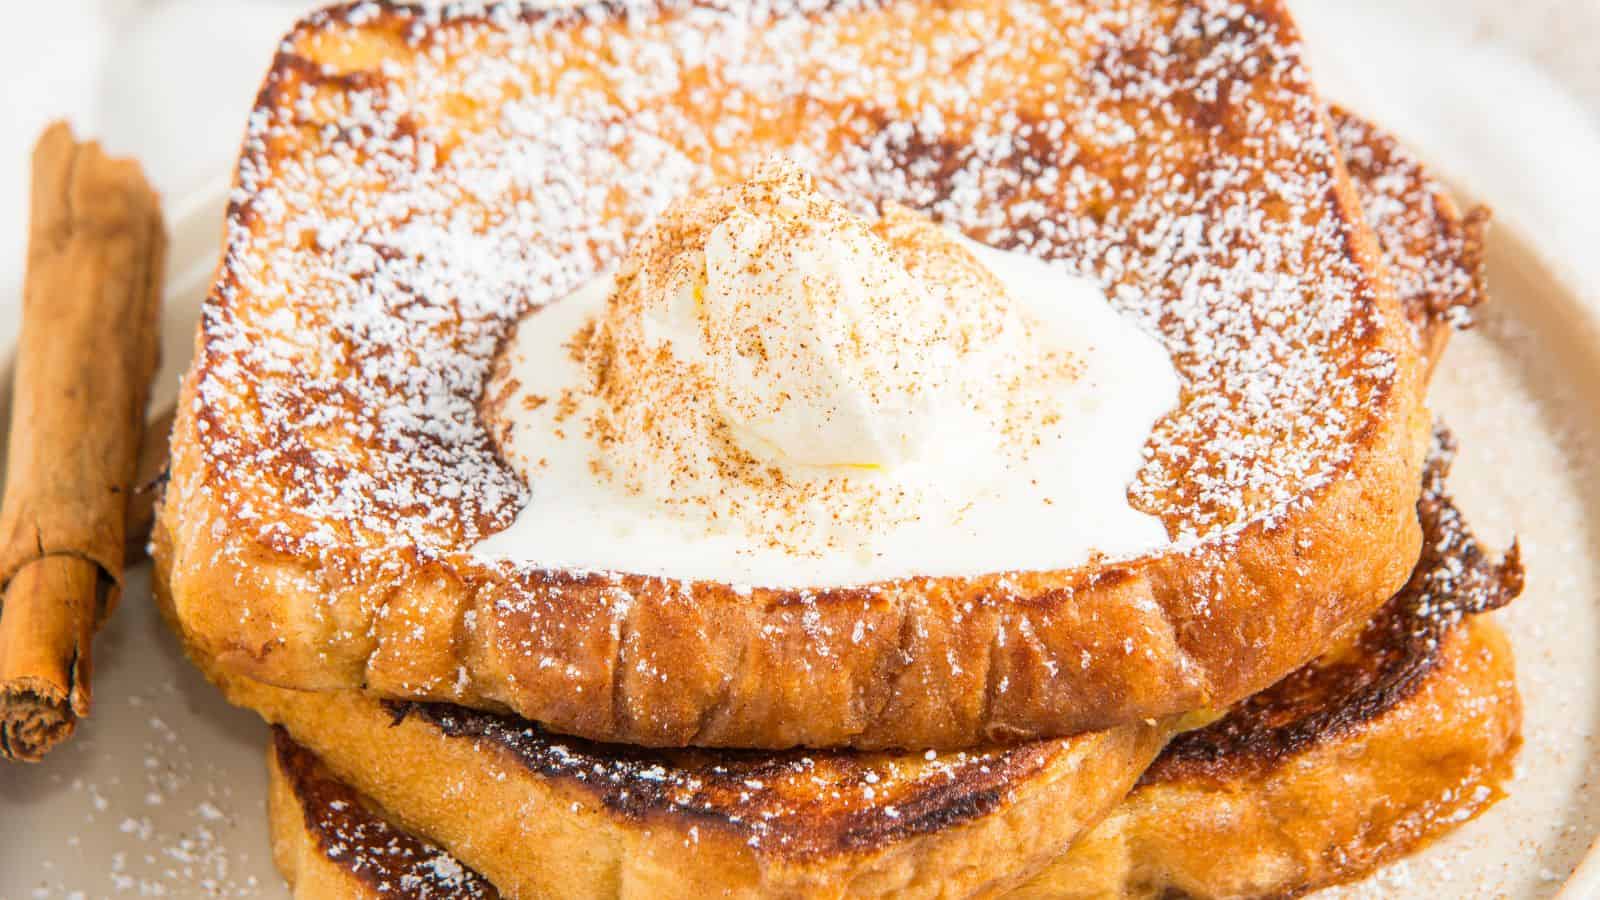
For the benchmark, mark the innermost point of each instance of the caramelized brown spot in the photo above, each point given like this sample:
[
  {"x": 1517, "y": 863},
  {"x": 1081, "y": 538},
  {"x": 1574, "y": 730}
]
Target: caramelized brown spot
[
  {"x": 1386, "y": 665},
  {"x": 393, "y": 862}
]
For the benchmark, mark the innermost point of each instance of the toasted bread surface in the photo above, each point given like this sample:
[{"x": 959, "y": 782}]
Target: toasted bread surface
[
  {"x": 1421, "y": 204},
  {"x": 1365, "y": 756},
  {"x": 1356, "y": 759},
  {"x": 413, "y": 181},
  {"x": 1332, "y": 810},
  {"x": 1366, "y": 701},
  {"x": 1433, "y": 251},
  {"x": 330, "y": 843},
  {"x": 543, "y": 816}
]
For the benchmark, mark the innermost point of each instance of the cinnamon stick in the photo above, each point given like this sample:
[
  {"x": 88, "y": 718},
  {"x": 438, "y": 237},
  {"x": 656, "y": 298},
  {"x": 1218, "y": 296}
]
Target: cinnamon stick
[{"x": 87, "y": 352}]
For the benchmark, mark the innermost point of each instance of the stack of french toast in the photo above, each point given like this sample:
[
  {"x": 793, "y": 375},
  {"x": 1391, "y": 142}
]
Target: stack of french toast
[{"x": 771, "y": 632}]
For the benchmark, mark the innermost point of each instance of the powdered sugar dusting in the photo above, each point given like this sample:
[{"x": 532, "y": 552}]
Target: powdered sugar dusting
[
  {"x": 1434, "y": 259},
  {"x": 389, "y": 861},
  {"x": 391, "y": 221}
]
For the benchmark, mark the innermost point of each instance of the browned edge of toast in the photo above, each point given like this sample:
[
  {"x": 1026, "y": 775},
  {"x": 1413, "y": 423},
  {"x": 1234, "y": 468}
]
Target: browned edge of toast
[
  {"x": 347, "y": 835},
  {"x": 1387, "y": 663},
  {"x": 1337, "y": 702}
]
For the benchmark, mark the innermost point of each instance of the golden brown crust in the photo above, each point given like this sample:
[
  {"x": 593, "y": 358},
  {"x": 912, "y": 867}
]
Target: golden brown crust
[
  {"x": 1392, "y": 657},
  {"x": 1366, "y": 755},
  {"x": 577, "y": 832},
  {"x": 1332, "y": 811},
  {"x": 329, "y": 843},
  {"x": 1434, "y": 253},
  {"x": 1409, "y": 787},
  {"x": 1104, "y": 864},
  {"x": 328, "y": 555},
  {"x": 1361, "y": 757}
]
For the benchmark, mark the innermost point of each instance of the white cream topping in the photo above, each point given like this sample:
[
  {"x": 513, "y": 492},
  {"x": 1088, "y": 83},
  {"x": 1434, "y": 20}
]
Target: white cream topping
[
  {"x": 827, "y": 320},
  {"x": 774, "y": 391}
]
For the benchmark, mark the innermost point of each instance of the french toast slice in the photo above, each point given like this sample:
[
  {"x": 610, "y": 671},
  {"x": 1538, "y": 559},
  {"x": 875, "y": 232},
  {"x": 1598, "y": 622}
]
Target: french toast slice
[
  {"x": 542, "y": 815},
  {"x": 1407, "y": 204},
  {"x": 413, "y": 180},
  {"x": 1367, "y": 754}
]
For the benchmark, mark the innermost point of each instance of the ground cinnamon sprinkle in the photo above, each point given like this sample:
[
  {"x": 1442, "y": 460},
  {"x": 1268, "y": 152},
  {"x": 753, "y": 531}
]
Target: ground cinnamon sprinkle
[{"x": 665, "y": 413}]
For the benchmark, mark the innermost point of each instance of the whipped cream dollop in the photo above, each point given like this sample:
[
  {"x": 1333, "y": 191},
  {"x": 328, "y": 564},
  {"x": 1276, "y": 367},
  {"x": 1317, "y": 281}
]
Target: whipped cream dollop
[
  {"x": 818, "y": 346},
  {"x": 773, "y": 390}
]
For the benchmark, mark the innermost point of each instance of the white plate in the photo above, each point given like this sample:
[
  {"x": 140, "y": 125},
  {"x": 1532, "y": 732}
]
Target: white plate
[{"x": 162, "y": 791}]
